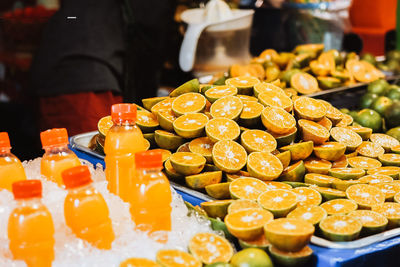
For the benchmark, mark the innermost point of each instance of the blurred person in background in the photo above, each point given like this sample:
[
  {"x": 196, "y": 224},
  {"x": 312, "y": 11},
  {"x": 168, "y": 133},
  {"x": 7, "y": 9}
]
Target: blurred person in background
[{"x": 95, "y": 53}]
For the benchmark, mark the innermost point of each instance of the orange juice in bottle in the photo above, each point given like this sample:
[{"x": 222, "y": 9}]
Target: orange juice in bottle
[
  {"x": 11, "y": 169},
  {"x": 85, "y": 209},
  {"x": 123, "y": 140},
  {"x": 30, "y": 226},
  {"x": 151, "y": 196},
  {"x": 57, "y": 157}
]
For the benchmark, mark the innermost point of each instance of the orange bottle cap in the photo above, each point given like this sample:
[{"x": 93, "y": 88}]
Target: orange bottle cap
[
  {"x": 54, "y": 137},
  {"x": 123, "y": 112},
  {"x": 76, "y": 176},
  {"x": 27, "y": 189},
  {"x": 148, "y": 159},
  {"x": 4, "y": 140}
]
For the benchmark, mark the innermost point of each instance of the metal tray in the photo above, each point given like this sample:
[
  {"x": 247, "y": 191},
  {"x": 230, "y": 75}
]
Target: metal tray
[{"x": 81, "y": 143}]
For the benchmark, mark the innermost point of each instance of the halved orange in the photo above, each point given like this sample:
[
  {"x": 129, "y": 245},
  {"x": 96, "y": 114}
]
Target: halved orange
[
  {"x": 372, "y": 221},
  {"x": 148, "y": 103},
  {"x": 278, "y": 201},
  {"x": 247, "y": 98},
  {"x": 222, "y": 129},
  {"x": 264, "y": 166},
  {"x": 369, "y": 149},
  {"x": 104, "y": 125},
  {"x": 257, "y": 141},
  {"x": 329, "y": 193},
  {"x": 319, "y": 179},
  {"x": 168, "y": 140},
  {"x": 286, "y": 138},
  {"x": 201, "y": 180},
  {"x": 247, "y": 188},
  {"x": 299, "y": 151},
  {"x": 166, "y": 118},
  {"x": 284, "y": 157},
  {"x": 277, "y": 120},
  {"x": 227, "y": 107},
  {"x": 346, "y": 121},
  {"x": 261, "y": 242},
  {"x": 276, "y": 99},
  {"x": 347, "y": 173},
  {"x": 340, "y": 227},
  {"x": 309, "y": 108},
  {"x": 332, "y": 113},
  {"x": 304, "y": 83},
  {"x": 389, "y": 189},
  {"x": 364, "y": 162},
  {"x": 184, "y": 148},
  {"x": 218, "y": 191},
  {"x": 363, "y": 71},
  {"x": 146, "y": 121},
  {"x": 344, "y": 184},
  {"x": 396, "y": 149},
  {"x": 229, "y": 156},
  {"x": 392, "y": 171},
  {"x": 220, "y": 91},
  {"x": 391, "y": 211},
  {"x": 289, "y": 234},
  {"x": 384, "y": 140},
  {"x": 315, "y": 165},
  {"x": 365, "y": 195},
  {"x": 327, "y": 59},
  {"x": 187, "y": 163},
  {"x": 268, "y": 54},
  {"x": 202, "y": 146},
  {"x": 364, "y": 132},
  {"x": 341, "y": 162},
  {"x": 242, "y": 204},
  {"x": 347, "y": 137},
  {"x": 233, "y": 176},
  {"x": 165, "y": 104},
  {"x": 312, "y": 131},
  {"x": 276, "y": 185},
  {"x": 390, "y": 159},
  {"x": 339, "y": 206},
  {"x": 294, "y": 172},
  {"x": 327, "y": 123},
  {"x": 330, "y": 151},
  {"x": 176, "y": 258},
  {"x": 188, "y": 103},
  {"x": 190, "y": 125},
  {"x": 248, "y": 224},
  {"x": 256, "y": 70},
  {"x": 266, "y": 87},
  {"x": 244, "y": 84},
  {"x": 396, "y": 198},
  {"x": 251, "y": 113},
  {"x": 307, "y": 196},
  {"x": 138, "y": 262},
  {"x": 375, "y": 179},
  {"x": 210, "y": 248},
  {"x": 310, "y": 213}
]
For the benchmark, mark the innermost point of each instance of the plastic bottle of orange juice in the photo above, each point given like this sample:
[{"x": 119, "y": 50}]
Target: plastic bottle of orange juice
[
  {"x": 123, "y": 140},
  {"x": 11, "y": 169},
  {"x": 85, "y": 209},
  {"x": 30, "y": 226},
  {"x": 57, "y": 157},
  {"x": 151, "y": 198}
]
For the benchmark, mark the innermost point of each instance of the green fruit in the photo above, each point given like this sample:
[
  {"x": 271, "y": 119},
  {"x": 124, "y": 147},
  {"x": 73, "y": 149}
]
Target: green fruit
[
  {"x": 187, "y": 87},
  {"x": 284, "y": 258},
  {"x": 345, "y": 110},
  {"x": 378, "y": 87},
  {"x": 253, "y": 257},
  {"x": 218, "y": 264},
  {"x": 367, "y": 100},
  {"x": 392, "y": 115},
  {"x": 369, "y": 58},
  {"x": 353, "y": 114},
  {"x": 381, "y": 104},
  {"x": 393, "y": 92},
  {"x": 393, "y": 54},
  {"x": 371, "y": 119},
  {"x": 218, "y": 225},
  {"x": 394, "y": 132},
  {"x": 287, "y": 75},
  {"x": 328, "y": 82}
]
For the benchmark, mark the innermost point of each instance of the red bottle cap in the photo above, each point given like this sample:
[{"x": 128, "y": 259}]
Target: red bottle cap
[
  {"x": 76, "y": 176},
  {"x": 123, "y": 112},
  {"x": 27, "y": 189},
  {"x": 148, "y": 159},
  {"x": 54, "y": 137},
  {"x": 4, "y": 140}
]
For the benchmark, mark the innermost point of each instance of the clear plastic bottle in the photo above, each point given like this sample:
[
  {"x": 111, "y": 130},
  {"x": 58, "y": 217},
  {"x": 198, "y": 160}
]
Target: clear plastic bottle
[
  {"x": 57, "y": 157},
  {"x": 123, "y": 140},
  {"x": 151, "y": 197},
  {"x": 30, "y": 226},
  {"x": 11, "y": 169},
  {"x": 85, "y": 210}
]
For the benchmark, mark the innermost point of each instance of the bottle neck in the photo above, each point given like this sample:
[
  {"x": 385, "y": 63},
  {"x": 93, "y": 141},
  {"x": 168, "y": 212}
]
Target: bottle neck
[
  {"x": 80, "y": 188},
  {"x": 25, "y": 202},
  {"x": 56, "y": 149},
  {"x": 148, "y": 172},
  {"x": 124, "y": 122},
  {"x": 5, "y": 151}
]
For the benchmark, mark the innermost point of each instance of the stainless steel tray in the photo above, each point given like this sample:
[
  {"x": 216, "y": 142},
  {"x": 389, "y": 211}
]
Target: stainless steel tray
[{"x": 81, "y": 143}]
